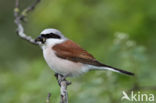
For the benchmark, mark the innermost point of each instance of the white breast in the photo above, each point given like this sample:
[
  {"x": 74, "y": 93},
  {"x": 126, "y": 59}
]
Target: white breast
[{"x": 62, "y": 66}]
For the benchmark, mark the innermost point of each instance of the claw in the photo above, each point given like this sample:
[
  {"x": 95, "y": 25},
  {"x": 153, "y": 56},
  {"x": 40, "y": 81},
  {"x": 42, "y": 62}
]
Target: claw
[{"x": 62, "y": 78}]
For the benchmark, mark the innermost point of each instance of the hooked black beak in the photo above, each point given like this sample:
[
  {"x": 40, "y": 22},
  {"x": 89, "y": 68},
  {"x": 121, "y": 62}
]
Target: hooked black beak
[{"x": 40, "y": 39}]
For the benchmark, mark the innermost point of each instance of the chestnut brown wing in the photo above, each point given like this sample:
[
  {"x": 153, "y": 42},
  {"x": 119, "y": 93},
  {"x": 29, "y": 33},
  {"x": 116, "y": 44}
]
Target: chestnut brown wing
[{"x": 73, "y": 52}]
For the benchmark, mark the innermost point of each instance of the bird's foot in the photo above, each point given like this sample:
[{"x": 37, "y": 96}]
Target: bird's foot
[{"x": 61, "y": 78}]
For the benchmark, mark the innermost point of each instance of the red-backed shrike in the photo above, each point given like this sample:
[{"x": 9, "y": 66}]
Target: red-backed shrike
[{"x": 66, "y": 57}]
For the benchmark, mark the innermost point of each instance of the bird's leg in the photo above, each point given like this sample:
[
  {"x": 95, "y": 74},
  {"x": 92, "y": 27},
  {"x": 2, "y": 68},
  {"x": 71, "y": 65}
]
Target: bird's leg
[
  {"x": 64, "y": 79},
  {"x": 56, "y": 75},
  {"x": 61, "y": 78}
]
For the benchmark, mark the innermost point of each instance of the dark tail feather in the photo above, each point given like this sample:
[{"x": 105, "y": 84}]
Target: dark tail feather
[
  {"x": 123, "y": 71},
  {"x": 101, "y": 66}
]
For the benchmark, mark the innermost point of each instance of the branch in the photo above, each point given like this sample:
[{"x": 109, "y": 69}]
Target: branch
[
  {"x": 21, "y": 17},
  {"x": 48, "y": 98},
  {"x": 63, "y": 87}
]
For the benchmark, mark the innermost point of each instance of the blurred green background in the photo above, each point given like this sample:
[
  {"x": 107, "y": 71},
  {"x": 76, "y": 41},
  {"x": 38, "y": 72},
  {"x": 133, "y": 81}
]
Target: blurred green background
[{"x": 120, "y": 33}]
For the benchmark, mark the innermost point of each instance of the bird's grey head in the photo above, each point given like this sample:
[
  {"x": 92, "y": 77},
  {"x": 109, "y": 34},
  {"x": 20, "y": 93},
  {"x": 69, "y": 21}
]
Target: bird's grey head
[{"x": 49, "y": 34}]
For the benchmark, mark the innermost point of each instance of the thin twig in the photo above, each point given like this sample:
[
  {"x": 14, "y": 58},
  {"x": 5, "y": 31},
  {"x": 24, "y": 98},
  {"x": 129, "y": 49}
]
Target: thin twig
[
  {"x": 29, "y": 9},
  {"x": 18, "y": 20},
  {"x": 48, "y": 98},
  {"x": 63, "y": 88}
]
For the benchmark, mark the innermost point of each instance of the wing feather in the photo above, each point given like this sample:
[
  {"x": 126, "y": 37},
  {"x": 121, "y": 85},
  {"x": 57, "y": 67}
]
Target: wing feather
[{"x": 72, "y": 51}]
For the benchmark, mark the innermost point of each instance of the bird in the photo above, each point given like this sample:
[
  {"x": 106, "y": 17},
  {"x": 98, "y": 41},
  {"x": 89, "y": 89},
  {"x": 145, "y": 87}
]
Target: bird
[{"x": 67, "y": 58}]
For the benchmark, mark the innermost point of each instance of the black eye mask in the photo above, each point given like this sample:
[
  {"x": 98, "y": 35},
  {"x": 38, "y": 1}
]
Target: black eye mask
[{"x": 51, "y": 35}]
